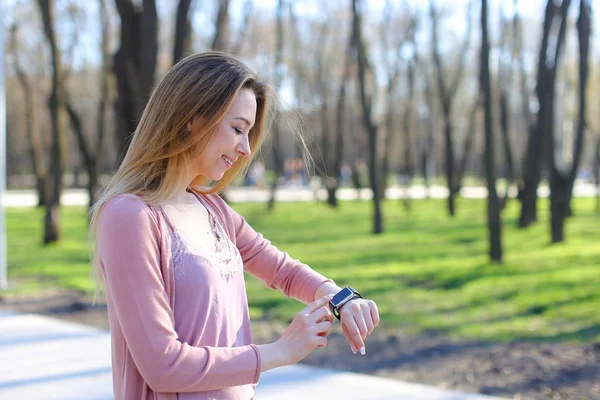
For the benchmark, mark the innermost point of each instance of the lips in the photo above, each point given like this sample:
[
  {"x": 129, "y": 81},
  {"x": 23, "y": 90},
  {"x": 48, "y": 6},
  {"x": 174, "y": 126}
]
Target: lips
[{"x": 228, "y": 161}]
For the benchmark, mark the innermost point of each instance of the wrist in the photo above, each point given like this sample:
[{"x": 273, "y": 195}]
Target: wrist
[
  {"x": 272, "y": 355},
  {"x": 327, "y": 287},
  {"x": 342, "y": 298}
]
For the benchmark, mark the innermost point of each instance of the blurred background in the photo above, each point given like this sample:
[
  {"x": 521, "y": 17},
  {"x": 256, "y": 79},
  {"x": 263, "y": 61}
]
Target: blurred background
[{"x": 453, "y": 171}]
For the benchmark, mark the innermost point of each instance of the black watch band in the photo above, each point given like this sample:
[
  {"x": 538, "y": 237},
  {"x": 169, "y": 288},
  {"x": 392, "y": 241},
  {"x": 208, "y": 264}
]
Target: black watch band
[{"x": 344, "y": 296}]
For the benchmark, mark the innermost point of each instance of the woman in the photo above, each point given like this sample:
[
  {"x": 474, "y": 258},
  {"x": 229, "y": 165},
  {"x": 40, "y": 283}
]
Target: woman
[{"x": 171, "y": 254}]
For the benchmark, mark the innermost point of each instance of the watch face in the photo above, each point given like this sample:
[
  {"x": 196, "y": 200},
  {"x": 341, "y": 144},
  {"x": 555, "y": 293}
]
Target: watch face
[{"x": 341, "y": 296}]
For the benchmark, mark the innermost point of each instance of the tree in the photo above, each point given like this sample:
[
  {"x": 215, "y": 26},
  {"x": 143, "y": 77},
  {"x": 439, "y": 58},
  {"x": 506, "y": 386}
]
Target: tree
[
  {"x": 447, "y": 92},
  {"x": 408, "y": 129},
  {"x": 527, "y": 114},
  {"x": 241, "y": 36},
  {"x": 220, "y": 40},
  {"x": 505, "y": 75},
  {"x": 393, "y": 60},
  {"x": 597, "y": 173},
  {"x": 331, "y": 122},
  {"x": 493, "y": 205},
  {"x": 562, "y": 179},
  {"x": 540, "y": 135},
  {"x": 277, "y": 155},
  {"x": 183, "y": 30},
  {"x": 340, "y": 131},
  {"x": 59, "y": 141},
  {"x": 322, "y": 80},
  {"x": 134, "y": 65},
  {"x": 93, "y": 159},
  {"x": 428, "y": 143},
  {"x": 32, "y": 125},
  {"x": 366, "y": 102}
]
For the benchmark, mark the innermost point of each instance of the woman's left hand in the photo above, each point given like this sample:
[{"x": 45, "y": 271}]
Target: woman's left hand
[{"x": 358, "y": 317}]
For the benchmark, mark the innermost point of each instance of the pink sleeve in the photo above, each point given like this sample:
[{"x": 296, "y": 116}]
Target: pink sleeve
[
  {"x": 276, "y": 268},
  {"x": 129, "y": 253}
]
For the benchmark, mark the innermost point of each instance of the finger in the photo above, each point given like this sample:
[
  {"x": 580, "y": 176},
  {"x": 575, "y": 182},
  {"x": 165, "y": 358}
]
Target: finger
[
  {"x": 322, "y": 314},
  {"x": 328, "y": 317},
  {"x": 354, "y": 333},
  {"x": 323, "y": 328},
  {"x": 349, "y": 339},
  {"x": 370, "y": 325},
  {"x": 362, "y": 325},
  {"x": 315, "y": 305},
  {"x": 374, "y": 313},
  {"x": 321, "y": 341}
]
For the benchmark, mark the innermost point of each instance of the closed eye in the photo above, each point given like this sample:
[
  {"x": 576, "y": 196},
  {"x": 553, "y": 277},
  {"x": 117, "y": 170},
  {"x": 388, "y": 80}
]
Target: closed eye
[{"x": 239, "y": 131}]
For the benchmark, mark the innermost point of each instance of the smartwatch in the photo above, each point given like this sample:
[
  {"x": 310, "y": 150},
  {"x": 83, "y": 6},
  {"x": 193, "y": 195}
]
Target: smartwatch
[{"x": 342, "y": 297}]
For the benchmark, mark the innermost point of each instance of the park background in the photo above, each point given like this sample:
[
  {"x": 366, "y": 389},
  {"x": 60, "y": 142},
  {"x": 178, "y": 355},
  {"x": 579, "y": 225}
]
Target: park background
[{"x": 453, "y": 177}]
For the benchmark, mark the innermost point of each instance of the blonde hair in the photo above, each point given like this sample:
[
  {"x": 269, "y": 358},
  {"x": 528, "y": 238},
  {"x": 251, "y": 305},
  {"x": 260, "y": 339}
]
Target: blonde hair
[{"x": 203, "y": 86}]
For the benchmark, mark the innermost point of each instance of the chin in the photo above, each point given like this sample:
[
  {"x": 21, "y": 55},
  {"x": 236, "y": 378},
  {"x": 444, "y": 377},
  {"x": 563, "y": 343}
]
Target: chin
[{"x": 217, "y": 177}]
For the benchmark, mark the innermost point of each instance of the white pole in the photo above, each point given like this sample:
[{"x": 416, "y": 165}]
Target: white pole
[{"x": 3, "y": 279}]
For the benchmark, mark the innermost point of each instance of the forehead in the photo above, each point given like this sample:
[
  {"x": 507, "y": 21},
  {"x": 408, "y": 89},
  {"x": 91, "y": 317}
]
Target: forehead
[{"x": 244, "y": 105}]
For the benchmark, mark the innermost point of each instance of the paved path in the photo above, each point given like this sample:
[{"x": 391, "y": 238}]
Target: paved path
[
  {"x": 45, "y": 358},
  {"x": 28, "y": 198}
]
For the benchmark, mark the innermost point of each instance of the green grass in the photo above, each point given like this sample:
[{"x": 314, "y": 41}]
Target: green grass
[{"x": 427, "y": 272}]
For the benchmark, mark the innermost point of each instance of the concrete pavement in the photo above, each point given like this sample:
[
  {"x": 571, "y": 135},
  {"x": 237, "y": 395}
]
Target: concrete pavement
[
  {"x": 28, "y": 198},
  {"x": 43, "y": 358}
]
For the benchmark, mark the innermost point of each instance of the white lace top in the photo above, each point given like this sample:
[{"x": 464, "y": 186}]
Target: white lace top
[{"x": 209, "y": 292}]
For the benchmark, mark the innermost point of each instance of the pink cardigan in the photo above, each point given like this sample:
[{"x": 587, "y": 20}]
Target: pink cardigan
[{"x": 149, "y": 362}]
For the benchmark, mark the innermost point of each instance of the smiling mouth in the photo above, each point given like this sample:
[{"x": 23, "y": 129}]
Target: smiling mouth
[{"x": 227, "y": 160}]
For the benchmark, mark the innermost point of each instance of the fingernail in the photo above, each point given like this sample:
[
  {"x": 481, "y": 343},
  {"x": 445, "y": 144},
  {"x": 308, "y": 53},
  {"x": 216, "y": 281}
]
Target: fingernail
[
  {"x": 352, "y": 350},
  {"x": 363, "y": 351}
]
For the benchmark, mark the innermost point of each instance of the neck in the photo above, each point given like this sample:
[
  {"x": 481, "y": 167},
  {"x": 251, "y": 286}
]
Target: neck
[{"x": 181, "y": 194}]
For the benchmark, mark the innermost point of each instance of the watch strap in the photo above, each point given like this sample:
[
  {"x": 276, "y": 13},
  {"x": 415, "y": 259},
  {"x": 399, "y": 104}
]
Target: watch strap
[{"x": 335, "y": 307}]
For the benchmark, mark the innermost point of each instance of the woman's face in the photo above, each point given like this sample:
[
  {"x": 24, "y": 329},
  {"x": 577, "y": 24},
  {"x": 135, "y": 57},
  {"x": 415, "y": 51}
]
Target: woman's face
[{"x": 230, "y": 141}]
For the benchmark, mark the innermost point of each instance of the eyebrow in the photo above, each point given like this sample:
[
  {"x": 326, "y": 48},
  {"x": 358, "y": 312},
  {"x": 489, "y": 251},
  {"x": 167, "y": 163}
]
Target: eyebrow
[{"x": 245, "y": 120}]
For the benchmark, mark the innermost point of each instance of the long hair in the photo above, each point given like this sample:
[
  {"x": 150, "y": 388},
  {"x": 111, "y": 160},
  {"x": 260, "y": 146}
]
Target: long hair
[{"x": 162, "y": 148}]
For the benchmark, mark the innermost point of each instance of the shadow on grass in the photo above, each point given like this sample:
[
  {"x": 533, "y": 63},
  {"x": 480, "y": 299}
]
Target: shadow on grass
[
  {"x": 583, "y": 334},
  {"x": 564, "y": 377},
  {"x": 393, "y": 353}
]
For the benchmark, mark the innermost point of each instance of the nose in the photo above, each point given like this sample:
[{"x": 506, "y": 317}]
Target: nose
[{"x": 243, "y": 147}]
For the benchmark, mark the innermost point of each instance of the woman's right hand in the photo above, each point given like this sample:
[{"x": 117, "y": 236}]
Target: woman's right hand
[{"x": 307, "y": 331}]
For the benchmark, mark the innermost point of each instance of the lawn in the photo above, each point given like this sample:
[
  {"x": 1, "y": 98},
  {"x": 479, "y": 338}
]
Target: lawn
[{"x": 427, "y": 272}]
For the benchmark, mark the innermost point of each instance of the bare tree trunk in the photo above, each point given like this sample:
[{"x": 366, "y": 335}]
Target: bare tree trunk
[
  {"x": 134, "y": 65},
  {"x": 447, "y": 94},
  {"x": 32, "y": 125},
  {"x": 56, "y": 105},
  {"x": 597, "y": 173},
  {"x": 429, "y": 153},
  {"x": 340, "y": 131},
  {"x": 407, "y": 171},
  {"x": 505, "y": 75},
  {"x": 540, "y": 137},
  {"x": 220, "y": 41},
  {"x": 467, "y": 146},
  {"x": 323, "y": 92},
  {"x": 393, "y": 68},
  {"x": 527, "y": 114},
  {"x": 89, "y": 159},
  {"x": 277, "y": 156},
  {"x": 241, "y": 36},
  {"x": 183, "y": 31},
  {"x": 493, "y": 205},
  {"x": 390, "y": 131},
  {"x": 561, "y": 182},
  {"x": 105, "y": 99},
  {"x": 366, "y": 103}
]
